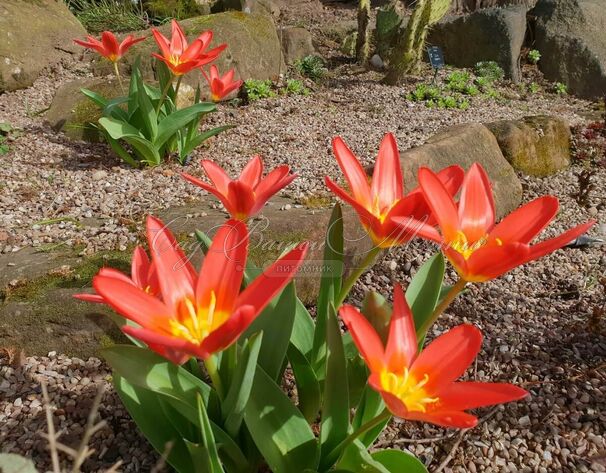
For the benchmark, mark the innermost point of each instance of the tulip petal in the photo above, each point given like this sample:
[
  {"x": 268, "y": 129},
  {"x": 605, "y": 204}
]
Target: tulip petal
[
  {"x": 252, "y": 172},
  {"x": 178, "y": 41},
  {"x": 268, "y": 284},
  {"x": 470, "y": 395},
  {"x": 354, "y": 173},
  {"x": 273, "y": 183},
  {"x": 223, "y": 267},
  {"x": 365, "y": 337},
  {"x": 95, "y": 298},
  {"x": 192, "y": 52},
  {"x": 139, "y": 271},
  {"x": 444, "y": 418},
  {"x": 365, "y": 215},
  {"x": 525, "y": 223},
  {"x": 172, "y": 265},
  {"x": 230, "y": 331},
  {"x": 409, "y": 228},
  {"x": 174, "y": 349},
  {"x": 387, "y": 183},
  {"x": 110, "y": 43},
  {"x": 549, "y": 246},
  {"x": 476, "y": 206},
  {"x": 241, "y": 198},
  {"x": 217, "y": 175},
  {"x": 492, "y": 261},
  {"x": 213, "y": 190},
  {"x": 402, "y": 342},
  {"x": 205, "y": 38},
  {"x": 440, "y": 201},
  {"x": 447, "y": 357},
  {"x": 132, "y": 303}
]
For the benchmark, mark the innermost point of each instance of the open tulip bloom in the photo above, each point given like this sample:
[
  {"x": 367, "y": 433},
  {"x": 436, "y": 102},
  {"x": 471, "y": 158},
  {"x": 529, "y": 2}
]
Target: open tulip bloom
[
  {"x": 421, "y": 386},
  {"x": 196, "y": 314},
  {"x": 181, "y": 57},
  {"x": 243, "y": 197},
  {"x": 221, "y": 87},
  {"x": 389, "y": 216},
  {"x": 109, "y": 47},
  {"x": 477, "y": 248}
]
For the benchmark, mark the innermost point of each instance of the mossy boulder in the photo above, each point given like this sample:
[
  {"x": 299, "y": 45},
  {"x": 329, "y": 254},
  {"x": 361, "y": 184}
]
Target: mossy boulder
[
  {"x": 33, "y": 36},
  {"x": 297, "y": 43},
  {"x": 537, "y": 146},
  {"x": 75, "y": 114},
  {"x": 180, "y": 9},
  {"x": 254, "y": 48}
]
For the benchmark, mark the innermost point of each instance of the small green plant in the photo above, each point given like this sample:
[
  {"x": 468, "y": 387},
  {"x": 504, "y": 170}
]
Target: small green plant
[
  {"x": 534, "y": 56},
  {"x": 434, "y": 97},
  {"x": 312, "y": 67},
  {"x": 5, "y": 130},
  {"x": 457, "y": 81},
  {"x": 489, "y": 70},
  {"x": 258, "y": 89},
  {"x": 560, "y": 89},
  {"x": 108, "y": 15},
  {"x": 295, "y": 87},
  {"x": 534, "y": 88}
]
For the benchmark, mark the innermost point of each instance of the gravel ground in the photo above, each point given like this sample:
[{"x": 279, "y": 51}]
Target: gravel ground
[{"x": 536, "y": 320}]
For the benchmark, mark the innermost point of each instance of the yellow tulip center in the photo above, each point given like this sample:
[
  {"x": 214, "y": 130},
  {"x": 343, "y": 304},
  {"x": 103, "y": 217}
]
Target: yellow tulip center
[
  {"x": 466, "y": 248},
  {"x": 193, "y": 323},
  {"x": 175, "y": 59},
  {"x": 408, "y": 389},
  {"x": 381, "y": 212}
]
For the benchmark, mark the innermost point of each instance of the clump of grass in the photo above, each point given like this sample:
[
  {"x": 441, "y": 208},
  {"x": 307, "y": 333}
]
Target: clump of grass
[
  {"x": 108, "y": 15},
  {"x": 489, "y": 70},
  {"x": 316, "y": 201},
  {"x": 295, "y": 87},
  {"x": 258, "y": 89},
  {"x": 311, "y": 67}
]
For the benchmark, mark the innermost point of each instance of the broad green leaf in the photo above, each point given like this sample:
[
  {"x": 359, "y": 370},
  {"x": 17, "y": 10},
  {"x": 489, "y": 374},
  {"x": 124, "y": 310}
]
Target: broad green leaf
[
  {"x": 120, "y": 151},
  {"x": 276, "y": 323},
  {"x": 356, "y": 459},
  {"x": 145, "y": 409},
  {"x": 398, "y": 461},
  {"x": 178, "y": 120},
  {"x": 330, "y": 285},
  {"x": 146, "y": 109},
  {"x": 302, "y": 335},
  {"x": 143, "y": 368},
  {"x": 118, "y": 129},
  {"x": 279, "y": 430},
  {"x": 377, "y": 311},
  {"x": 95, "y": 97},
  {"x": 13, "y": 463},
  {"x": 357, "y": 373},
  {"x": 308, "y": 387},
  {"x": 196, "y": 140},
  {"x": 335, "y": 401},
  {"x": 213, "y": 465},
  {"x": 370, "y": 406},
  {"x": 424, "y": 289},
  {"x": 241, "y": 385},
  {"x": 133, "y": 86}
]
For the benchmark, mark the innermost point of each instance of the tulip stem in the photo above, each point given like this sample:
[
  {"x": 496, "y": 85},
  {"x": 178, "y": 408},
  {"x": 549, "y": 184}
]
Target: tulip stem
[
  {"x": 118, "y": 76},
  {"x": 177, "y": 90},
  {"x": 356, "y": 273},
  {"x": 442, "y": 306},
  {"x": 213, "y": 371},
  {"x": 372, "y": 423},
  {"x": 164, "y": 94}
]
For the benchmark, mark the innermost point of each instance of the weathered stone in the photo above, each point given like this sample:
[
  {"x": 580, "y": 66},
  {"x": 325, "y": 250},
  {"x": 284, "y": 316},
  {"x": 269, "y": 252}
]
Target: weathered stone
[
  {"x": 254, "y": 48},
  {"x": 181, "y": 9},
  {"x": 270, "y": 7},
  {"x": 464, "y": 145},
  {"x": 538, "y": 146},
  {"x": 494, "y": 34},
  {"x": 570, "y": 36},
  {"x": 296, "y": 44},
  {"x": 33, "y": 36},
  {"x": 73, "y": 113}
]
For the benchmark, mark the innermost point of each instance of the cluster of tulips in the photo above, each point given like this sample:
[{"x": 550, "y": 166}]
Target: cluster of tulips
[
  {"x": 178, "y": 55},
  {"x": 247, "y": 325}
]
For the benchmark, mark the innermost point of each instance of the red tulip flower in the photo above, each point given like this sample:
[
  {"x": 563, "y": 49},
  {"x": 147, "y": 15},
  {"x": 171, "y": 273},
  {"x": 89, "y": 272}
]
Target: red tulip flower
[
  {"x": 196, "y": 315},
  {"x": 479, "y": 249},
  {"x": 221, "y": 87},
  {"x": 109, "y": 47},
  {"x": 421, "y": 386},
  {"x": 143, "y": 276},
  {"x": 243, "y": 197},
  {"x": 181, "y": 57},
  {"x": 389, "y": 216}
]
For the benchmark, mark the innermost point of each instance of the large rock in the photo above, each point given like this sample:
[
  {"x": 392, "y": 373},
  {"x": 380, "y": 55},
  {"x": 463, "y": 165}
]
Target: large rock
[
  {"x": 493, "y": 34},
  {"x": 254, "y": 48},
  {"x": 74, "y": 113},
  {"x": 570, "y": 35},
  {"x": 538, "y": 146},
  {"x": 270, "y": 7},
  {"x": 33, "y": 36},
  {"x": 296, "y": 44},
  {"x": 464, "y": 145}
]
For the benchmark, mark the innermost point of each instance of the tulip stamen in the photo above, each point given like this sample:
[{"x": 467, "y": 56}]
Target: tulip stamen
[
  {"x": 195, "y": 324},
  {"x": 408, "y": 389},
  {"x": 464, "y": 247}
]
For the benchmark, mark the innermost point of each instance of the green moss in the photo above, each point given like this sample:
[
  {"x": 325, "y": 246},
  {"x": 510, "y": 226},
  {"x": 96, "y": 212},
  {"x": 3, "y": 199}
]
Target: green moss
[{"x": 316, "y": 201}]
